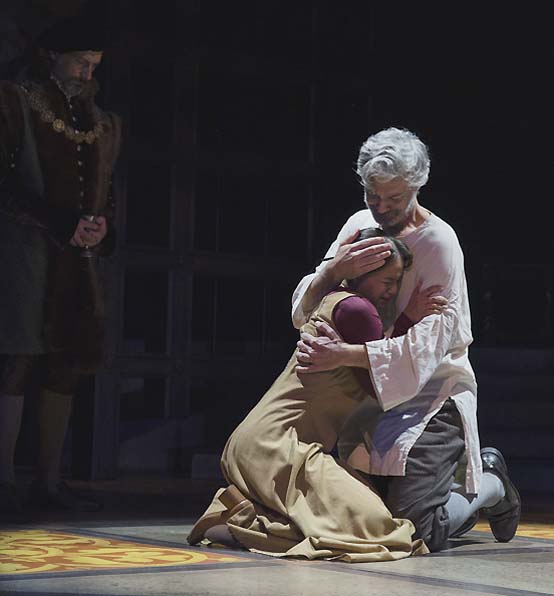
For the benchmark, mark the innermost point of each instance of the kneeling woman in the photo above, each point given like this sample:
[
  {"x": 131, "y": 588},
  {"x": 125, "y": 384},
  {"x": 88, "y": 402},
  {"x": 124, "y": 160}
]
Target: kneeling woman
[{"x": 287, "y": 495}]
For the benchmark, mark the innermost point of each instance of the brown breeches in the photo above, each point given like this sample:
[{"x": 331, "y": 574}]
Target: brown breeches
[{"x": 54, "y": 374}]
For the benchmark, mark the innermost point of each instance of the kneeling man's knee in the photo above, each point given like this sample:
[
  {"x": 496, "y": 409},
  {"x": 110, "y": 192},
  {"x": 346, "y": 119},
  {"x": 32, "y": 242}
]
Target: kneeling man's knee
[{"x": 431, "y": 524}]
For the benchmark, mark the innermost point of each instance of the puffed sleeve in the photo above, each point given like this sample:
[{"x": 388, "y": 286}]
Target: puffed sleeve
[
  {"x": 17, "y": 200},
  {"x": 357, "y": 320},
  {"x": 108, "y": 245},
  {"x": 11, "y": 128},
  {"x": 401, "y": 366}
]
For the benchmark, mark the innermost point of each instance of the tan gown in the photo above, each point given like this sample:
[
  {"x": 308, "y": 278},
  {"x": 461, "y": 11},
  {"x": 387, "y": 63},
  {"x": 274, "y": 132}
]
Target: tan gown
[{"x": 302, "y": 502}]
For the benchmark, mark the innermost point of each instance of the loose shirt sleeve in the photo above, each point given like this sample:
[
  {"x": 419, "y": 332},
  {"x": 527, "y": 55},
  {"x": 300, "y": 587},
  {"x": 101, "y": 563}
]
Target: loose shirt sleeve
[{"x": 401, "y": 366}]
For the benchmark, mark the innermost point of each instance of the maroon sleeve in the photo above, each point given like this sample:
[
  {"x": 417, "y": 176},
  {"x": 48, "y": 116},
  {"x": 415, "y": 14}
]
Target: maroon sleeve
[
  {"x": 357, "y": 320},
  {"x": 401, "y": 326}
]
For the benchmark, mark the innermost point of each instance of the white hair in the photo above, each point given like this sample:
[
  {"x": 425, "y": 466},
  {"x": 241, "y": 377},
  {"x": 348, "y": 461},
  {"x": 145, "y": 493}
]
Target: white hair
[{"x": 393, "y": 153}]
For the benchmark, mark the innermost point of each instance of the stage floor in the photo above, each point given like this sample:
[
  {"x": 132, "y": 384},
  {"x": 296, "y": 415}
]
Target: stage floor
[{"x": 123, "y": 550}]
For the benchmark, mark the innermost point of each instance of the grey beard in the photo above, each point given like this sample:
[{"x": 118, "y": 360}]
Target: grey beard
[
  {"x": 393, "y": 230},
  {"x": 396, "y": 228},
  {"x": 73, "y": 88}
]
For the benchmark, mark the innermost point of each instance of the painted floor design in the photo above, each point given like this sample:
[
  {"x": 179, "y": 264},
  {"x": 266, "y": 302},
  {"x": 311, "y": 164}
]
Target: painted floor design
[
  {"x": 39, "y": 551},
  {"x": 29, "y": 551},
  {"x": 525, "y": 529},
  {"x": 128, "y": 557}
]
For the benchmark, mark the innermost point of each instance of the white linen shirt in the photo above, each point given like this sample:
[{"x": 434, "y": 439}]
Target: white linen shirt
[{"x": 416, "y": 373}]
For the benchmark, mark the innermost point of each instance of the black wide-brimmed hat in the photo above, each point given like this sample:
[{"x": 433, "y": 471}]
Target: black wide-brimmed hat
[{"x": 75, "y": 34}]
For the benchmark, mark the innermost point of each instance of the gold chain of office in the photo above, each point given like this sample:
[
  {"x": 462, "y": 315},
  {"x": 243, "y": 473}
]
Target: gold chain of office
[{"x": 39, "y": 103}]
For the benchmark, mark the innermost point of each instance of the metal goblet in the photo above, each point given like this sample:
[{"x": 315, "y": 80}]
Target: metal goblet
[{"x": 87, "y": 252}]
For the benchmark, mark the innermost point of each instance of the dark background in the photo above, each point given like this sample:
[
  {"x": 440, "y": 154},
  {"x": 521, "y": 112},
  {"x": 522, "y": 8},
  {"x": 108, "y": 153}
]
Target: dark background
[{"x": 242, "y": 125}]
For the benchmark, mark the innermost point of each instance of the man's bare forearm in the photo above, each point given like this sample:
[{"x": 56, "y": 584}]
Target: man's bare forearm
[
  {"x": 323, "y": 282},
  {"x": 354, "y": 355}
]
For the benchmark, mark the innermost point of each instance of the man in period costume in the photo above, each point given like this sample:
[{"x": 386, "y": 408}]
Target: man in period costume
[{"x": 57, "y": 153}]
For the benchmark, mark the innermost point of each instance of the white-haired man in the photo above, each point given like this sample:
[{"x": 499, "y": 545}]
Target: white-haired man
[{"x": 423, "y": 380}]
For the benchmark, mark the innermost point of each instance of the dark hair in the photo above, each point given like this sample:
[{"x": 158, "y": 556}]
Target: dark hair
[{"x": 398, "y": 248}]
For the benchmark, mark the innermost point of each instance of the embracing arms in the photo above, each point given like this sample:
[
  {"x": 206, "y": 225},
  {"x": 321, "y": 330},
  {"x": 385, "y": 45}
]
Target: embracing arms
[
  {"x": 329, "y": 350},
  {"x": 401, "y": 366}
]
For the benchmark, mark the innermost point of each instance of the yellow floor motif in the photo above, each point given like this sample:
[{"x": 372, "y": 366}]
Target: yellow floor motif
[
  {"x": 525, "y": 529},
  {"x": 40, "y": 551}
]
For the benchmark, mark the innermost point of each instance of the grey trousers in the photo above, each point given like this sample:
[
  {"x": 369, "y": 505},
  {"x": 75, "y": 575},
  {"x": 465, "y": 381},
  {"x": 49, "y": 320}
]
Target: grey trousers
[{"x": 421, "y": 495}]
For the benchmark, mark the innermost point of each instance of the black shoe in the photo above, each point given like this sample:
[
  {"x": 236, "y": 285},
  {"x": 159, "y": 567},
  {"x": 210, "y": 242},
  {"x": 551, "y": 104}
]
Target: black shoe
[
  {"x": 466, "y": 526},
  {"x": 11, "y": 508},
  {"x": 504, "y": 516},
  {"x": 62, "y": 499}
]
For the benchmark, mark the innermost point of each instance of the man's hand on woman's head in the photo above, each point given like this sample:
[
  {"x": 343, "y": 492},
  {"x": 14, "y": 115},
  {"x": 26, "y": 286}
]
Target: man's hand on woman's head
[
  {"x": 425, "y": 302},
  {"x": 357, "y": 258}
]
